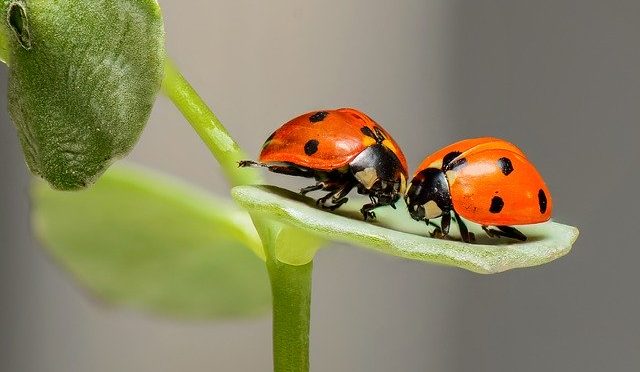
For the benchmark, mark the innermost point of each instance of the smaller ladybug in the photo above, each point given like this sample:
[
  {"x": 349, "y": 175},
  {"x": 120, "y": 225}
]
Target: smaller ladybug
[
  {"x": 485, "y": 180},
  {"x": 342, "y": 149}
]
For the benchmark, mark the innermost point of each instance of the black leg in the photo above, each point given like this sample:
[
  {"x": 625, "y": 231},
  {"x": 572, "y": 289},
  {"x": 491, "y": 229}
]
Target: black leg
[
  {"x": 466, "y": 236},
  {"x": 337, "y": 203},
  {"x": 340, "y": 197},
  {"x": 437, "y": 231},
  {"x": 323, "y": 200},
  {"x": 308, "y": 189},
  {"x": 432, "y": 224},
  {"x": 512, "y": 232},
  {"x": 337, "y": 197},
  {"x": 505, "y": 231},
  {"x": 445, "y": 223},
  {"x": 377, "y": 201},
  {"x": 367, "y": 211}
]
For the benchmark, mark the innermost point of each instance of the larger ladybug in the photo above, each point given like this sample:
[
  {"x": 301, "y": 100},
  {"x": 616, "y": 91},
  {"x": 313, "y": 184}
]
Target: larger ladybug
[
  {"x": 342, "y": 149},
  {"x": 485, "y": 180}
]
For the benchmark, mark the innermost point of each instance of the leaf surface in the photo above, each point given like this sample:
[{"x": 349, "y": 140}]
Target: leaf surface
[
  {"x": 146, "y": 241},
  {"x": 395, "y": 233},
  {"x": 83, "y": 77}
]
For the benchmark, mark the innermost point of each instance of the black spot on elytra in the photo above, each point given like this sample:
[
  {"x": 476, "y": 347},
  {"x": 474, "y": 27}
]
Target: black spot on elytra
[
  {"x": 542, "y": 201},
  {"x": 271, "y": 137},
  {"x": 357, "y": 116},
  {"x": 318, "y": 116},
  {"x": 456, "y": 163},
  {"x": 378, "y": 134},
  {"x": 505, "y": 165},
  {"x": 496, "y": 204},
  {"x": 367, "y": 132},
  {"x": 449, "y": 157},
  {"x": 311, "y": 147},
  {"x": 268, "y": 140}
]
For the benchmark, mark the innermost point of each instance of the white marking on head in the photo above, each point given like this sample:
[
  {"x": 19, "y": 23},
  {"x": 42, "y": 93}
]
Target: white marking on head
[
  {"x": 432, "y": 210},
  {"x": 367, "y": 177}
]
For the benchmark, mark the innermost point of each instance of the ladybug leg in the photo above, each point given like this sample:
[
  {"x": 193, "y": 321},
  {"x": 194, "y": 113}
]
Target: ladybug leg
[
  {"x": 433, "y": 224},
  {"x": 340, "y": 198},
  {"x": 377, "y": 200},
  {"x": 466, "y": 236},
  {"x": 505, "y": 231},
  {"x": 336, "y": 197},
  {"x": 490, "y": 232},
  {"x": 322, "y": 202},
  {"x": 367, "y": 211},
  {"x": 335, "y": 204},
  {"x": 437, "y": 231},
  {"x": 512, "y": 232},
  {"x": 308, "y": 189},
  {"x": 445, "y": 223}
]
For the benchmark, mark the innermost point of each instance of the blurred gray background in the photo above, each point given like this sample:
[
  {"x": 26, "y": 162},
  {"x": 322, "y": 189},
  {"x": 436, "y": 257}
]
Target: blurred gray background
[{"x": 559, "y": 78}]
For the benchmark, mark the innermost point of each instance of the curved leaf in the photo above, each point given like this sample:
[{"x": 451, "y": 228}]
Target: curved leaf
[
  {"x": 83, "y": 76},
  {"x": 395, "y": 233},
  {"x": 142, "y": 240}
]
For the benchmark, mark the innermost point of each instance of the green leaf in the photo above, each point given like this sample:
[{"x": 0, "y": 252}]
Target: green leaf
[
  {"x": 4, "y": 41},
  {"x": 83, "y": 77},
  {"x": 145, "y": 241},
  {"x": 395, "y": 233}
]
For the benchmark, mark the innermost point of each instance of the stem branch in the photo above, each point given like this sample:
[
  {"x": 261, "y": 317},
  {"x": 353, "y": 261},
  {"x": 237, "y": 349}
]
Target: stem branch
[
  {"x": 209, "y": 128},
  {"x": 290, "y": 285}
]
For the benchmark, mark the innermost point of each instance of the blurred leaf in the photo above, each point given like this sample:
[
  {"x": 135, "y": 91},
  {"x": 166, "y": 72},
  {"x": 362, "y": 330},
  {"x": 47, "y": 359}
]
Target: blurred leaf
[
  {"x": 4, "y": 43},
  {"x": 142, "y": 240},
  {"x": 83, "y": 76},
  {"x": 395, "y": 233}
]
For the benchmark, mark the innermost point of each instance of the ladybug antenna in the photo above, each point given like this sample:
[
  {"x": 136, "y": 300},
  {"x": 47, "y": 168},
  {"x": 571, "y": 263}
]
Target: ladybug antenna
[{"x": 250, "y": 163}]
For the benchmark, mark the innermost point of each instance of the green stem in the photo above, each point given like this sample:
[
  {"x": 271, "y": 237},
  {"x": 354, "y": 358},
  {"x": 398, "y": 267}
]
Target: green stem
[
  {"x": 290, "y": 285},
  {"x": 208, "y": 127},
  {"x": 291, "y": 292}
]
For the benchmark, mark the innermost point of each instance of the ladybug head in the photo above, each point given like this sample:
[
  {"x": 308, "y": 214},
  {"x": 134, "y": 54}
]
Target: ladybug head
[
  {"x": 379, "y": 172},
  {"x": 428, "y": 195}
]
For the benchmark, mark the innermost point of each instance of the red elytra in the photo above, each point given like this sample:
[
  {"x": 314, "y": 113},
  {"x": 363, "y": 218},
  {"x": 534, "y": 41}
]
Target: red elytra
[{"x": 339, "y": 136}]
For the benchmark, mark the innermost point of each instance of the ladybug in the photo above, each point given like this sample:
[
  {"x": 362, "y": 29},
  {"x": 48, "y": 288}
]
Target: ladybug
[
  {"x": 485, "y": 180},
  {"x": 342, "y": 149}
]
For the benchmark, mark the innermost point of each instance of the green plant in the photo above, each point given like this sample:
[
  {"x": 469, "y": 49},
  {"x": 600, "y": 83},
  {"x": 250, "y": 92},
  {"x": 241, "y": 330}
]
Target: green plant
[{"x": 83, "y": 78}]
